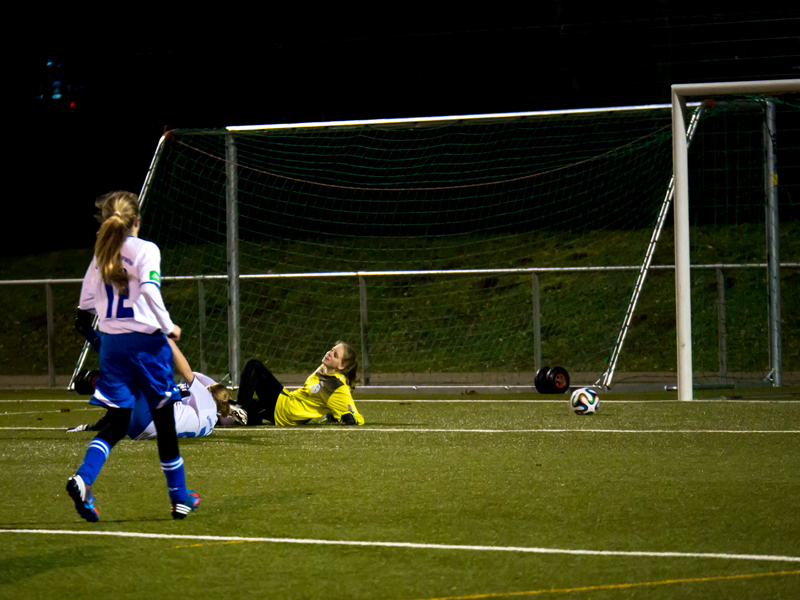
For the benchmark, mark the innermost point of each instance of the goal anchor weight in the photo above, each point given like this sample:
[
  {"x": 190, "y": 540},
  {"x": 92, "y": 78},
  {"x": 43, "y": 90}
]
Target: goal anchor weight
[
  {"x": 86, "y": 381},
  {"x": 551, "y": 380}
]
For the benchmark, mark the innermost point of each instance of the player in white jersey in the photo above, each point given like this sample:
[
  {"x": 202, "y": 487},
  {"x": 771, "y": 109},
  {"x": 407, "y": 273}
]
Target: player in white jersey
[
  {"x": 196, "y": 414},
  {"x": 123, "y": 287},
  {"x": 204, "y": 404}
]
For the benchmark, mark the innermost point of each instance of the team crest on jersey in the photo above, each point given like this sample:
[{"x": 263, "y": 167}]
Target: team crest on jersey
[
  {"x": 315, "y": 388},
  {"x": 154, "y": 276}
]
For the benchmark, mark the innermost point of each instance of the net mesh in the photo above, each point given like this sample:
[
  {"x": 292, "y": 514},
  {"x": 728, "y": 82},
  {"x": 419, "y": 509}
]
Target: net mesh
[
  {"x": 728, "y": 218},
  {"x": 547, "y": 192},
  {"x": 541, "y": 192}
]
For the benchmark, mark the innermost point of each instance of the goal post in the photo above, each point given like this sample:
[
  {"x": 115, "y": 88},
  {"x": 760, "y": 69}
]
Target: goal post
[{"x": 680, "y": 94}]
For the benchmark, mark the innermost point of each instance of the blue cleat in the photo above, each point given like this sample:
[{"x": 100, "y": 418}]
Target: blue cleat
[
  {"x": 83, "y": 497},
  {"x": 181, "y": 509}
]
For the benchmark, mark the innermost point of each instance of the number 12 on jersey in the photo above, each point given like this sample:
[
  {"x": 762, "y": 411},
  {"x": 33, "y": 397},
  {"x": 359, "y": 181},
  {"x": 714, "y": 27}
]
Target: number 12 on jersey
[{"x": 123, "y": 312}]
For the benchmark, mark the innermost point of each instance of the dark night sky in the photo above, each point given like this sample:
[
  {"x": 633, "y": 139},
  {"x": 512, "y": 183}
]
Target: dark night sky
[{"x": 128, "y": 83}]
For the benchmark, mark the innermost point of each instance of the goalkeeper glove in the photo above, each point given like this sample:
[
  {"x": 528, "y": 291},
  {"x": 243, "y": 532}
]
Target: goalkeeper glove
[{"x": 82, "y": 427}]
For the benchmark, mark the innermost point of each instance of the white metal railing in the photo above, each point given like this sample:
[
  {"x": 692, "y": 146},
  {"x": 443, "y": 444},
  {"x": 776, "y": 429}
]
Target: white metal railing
[{"x": 533, "y": 271}]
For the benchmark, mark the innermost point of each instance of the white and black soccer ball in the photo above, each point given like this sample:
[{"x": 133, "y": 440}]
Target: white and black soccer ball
[{"x": 584, "y": 401}]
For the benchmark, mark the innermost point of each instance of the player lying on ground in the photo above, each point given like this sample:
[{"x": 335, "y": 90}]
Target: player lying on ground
[
  {"x": 204, "y": 404},
  {"x": 326, "y": 393}
]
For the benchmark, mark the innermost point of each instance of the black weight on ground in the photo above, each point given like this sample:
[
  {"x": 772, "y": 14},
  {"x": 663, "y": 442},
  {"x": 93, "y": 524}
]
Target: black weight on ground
[
  {"x": 541, "y": 383},
  {"x": 85, "y": 382},
  {"x": 558, "y": 380}
]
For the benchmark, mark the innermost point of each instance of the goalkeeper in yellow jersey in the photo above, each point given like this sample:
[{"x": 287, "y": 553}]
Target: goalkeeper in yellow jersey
[{"x": 326, "y": 393}]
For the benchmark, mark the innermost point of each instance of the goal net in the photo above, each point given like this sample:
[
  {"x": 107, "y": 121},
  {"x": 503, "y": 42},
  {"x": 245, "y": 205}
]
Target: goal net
[{"x": 461, "y": 250}]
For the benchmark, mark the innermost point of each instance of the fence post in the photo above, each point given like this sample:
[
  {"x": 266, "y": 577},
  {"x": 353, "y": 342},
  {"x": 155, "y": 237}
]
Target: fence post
[
  {"x": 232, "y": 210},
  {"x": 51, "y": 346},
  {"x": 722, "y": 330},
  {"x": 362, "y": 289},
  {"x": 537, "y": 325}
]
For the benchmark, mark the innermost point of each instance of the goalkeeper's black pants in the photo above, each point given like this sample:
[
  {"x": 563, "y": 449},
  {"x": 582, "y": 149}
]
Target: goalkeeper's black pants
[
  {"x": 258, "y": 393},
  {"x": 113, "y": 426}
]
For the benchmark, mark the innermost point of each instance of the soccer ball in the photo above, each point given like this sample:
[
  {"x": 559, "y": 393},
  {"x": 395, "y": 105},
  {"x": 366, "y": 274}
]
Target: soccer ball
[{"x": 584, "y": 401}]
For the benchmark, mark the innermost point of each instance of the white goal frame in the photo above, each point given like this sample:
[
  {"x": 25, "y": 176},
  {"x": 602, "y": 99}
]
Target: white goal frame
[{"x": 683, "y": 301}]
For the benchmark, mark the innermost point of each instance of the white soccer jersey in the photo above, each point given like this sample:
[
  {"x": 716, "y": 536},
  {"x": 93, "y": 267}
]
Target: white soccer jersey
[
  {"x": 195, "y": 415},
  {"x": 201, "y": 400},
  {"x": 141, "y": 308}
]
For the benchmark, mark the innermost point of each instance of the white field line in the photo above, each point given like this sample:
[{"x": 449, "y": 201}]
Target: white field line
[
  {"x": 342, "y": 430},
  {"x": 45, "y": 412},
  {"x": 33, "y": 428},
  {"x": 433, "y": 430},
  {"x": 497, "y": 401},
  {"x": 523, "y": 549},
  {"x": 565, "y": 399},
  {"x": 77, "y": 401}
]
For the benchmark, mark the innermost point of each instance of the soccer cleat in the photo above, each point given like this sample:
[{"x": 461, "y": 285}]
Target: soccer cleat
[
  {"x": 83, "y": 497},
  {"x": 181, "y": 509}
]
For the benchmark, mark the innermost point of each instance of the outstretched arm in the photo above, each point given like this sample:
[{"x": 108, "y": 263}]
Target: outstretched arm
[
  {"x": 181, "y": 364},
  {"x": 83, "y": 324},
  {"x": 152, "y": 295}
]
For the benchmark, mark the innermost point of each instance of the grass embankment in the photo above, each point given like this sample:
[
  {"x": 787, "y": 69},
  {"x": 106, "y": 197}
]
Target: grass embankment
[{"x": 474, "y": 323}]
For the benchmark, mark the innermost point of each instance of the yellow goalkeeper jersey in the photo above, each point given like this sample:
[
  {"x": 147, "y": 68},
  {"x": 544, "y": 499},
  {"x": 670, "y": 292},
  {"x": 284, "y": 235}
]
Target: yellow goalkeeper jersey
[{"x": 320, "y": 395}]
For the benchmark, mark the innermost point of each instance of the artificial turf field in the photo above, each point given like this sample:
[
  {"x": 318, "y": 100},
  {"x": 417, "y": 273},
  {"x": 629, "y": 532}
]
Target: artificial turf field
[{"x": 449, "y": 497}]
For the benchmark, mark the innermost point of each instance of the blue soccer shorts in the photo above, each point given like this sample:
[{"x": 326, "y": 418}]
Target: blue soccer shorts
[{"x": 132, "y": 364}]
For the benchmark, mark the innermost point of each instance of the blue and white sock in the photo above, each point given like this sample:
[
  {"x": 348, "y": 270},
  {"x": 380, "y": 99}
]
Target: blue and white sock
[
  {"x": 176, "y": 479},
  {"x": 93, "y": 461}
]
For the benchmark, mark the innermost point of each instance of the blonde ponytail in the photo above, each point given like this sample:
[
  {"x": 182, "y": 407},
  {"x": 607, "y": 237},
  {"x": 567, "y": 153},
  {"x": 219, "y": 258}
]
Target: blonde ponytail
[{"x": 119, "y": 211}]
